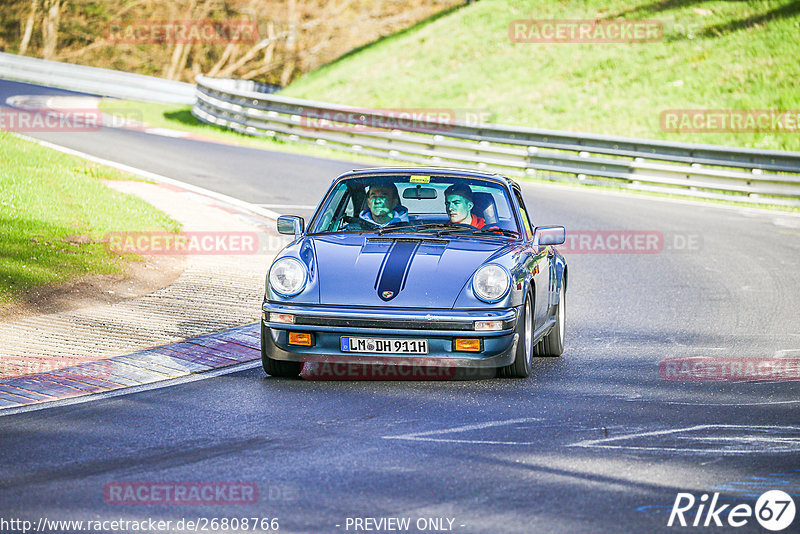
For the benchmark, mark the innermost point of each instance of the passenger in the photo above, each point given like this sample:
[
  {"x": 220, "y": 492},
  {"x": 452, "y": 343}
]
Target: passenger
[
  {"x": 458, "y": 202},
  {"x": 384, "y": 207}
]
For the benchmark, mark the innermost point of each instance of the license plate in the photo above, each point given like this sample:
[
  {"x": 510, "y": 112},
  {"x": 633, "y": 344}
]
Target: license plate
[{"x": 384, "y": 346}]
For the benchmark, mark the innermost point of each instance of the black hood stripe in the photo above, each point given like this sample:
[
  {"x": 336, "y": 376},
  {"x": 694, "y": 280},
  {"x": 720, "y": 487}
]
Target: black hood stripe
[
  {"x": 383, "y": 264},
  {"x": 394, "y": 270}
]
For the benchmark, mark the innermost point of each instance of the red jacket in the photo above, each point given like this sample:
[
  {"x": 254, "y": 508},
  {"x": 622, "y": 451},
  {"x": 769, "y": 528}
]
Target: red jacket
[{"x": 477, "y": 222}]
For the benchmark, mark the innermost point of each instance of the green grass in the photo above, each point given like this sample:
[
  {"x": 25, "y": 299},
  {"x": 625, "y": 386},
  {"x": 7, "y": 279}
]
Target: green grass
[
  {"x": 714, "y": 55},
  {"x": 55, "y": 212}
]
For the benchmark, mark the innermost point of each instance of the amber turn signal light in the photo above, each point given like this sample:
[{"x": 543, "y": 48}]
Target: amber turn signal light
[
  {"x": 300, "y": 338},
  {"x": 468, "y": 345}
]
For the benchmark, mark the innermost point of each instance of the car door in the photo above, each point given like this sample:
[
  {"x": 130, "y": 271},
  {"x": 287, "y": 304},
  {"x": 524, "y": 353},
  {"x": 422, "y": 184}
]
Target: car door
[{"x": 537, "y": 264}]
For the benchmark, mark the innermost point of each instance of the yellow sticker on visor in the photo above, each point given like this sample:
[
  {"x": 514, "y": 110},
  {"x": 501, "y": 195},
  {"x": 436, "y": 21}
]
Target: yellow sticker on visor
[{"x": 420, "y": 180}]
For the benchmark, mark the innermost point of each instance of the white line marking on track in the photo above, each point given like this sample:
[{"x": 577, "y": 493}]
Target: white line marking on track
[
  {"x": 132, "y": 389},
  {"x": 734, "y": 403},
  {"x": 791, "y": 444},
  {"x": 419, "y": 436},
  {"x": 167, "y": 132},
  {"x": 287, "y": 206}
]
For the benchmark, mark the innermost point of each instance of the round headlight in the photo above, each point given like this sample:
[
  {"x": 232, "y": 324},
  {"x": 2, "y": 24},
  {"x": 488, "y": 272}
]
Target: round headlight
[
  {"x": 287, "y": 277},
  {"x": 491, "y": 282}
]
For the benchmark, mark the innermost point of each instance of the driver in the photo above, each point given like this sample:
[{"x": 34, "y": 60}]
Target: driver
[
  {"x": 384, "y": 207},
  {"x": 458, "y": 202}
]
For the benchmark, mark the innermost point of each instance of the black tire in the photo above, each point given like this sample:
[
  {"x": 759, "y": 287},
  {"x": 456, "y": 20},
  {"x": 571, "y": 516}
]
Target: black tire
[
  {"x": 552, "y": 345},
  {"x": 523, "y": 358},
  {"x": 277, "y": 368}
]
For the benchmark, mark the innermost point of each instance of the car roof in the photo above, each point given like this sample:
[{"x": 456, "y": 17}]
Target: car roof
[{"x": 461, "y": 173}]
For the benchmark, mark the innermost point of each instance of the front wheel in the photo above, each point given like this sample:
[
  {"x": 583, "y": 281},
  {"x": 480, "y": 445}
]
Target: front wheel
[
  {"x": 553, "y": 343},
  {"x": 274, "y": 367},
  {"x": 523, "y": 358}
]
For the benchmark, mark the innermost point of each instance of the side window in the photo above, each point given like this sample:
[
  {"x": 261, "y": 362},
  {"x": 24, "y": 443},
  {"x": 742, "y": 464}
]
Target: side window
[
  {"x": 343, "y": 209},
  {"x": 525, "y": 220},
  {"x": 330, "y": 219}
]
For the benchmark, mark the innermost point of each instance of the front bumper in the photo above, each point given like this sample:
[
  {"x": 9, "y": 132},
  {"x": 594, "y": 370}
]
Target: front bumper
[{"x": 329, "y": 323}]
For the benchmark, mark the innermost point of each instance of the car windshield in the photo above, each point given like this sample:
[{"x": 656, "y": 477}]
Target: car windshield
[{"x": 429, "y": 204}]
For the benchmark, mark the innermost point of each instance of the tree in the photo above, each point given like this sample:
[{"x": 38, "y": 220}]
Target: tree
[
  {"x": 52, "y": 15},
  {"x": 26, "y": 36}
]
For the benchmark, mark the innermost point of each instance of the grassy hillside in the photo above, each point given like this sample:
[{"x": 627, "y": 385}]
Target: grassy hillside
[{"x": 713, "y": 55}]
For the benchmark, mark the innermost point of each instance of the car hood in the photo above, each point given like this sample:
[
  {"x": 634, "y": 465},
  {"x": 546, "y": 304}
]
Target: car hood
[{"x": 397, "y": 271}]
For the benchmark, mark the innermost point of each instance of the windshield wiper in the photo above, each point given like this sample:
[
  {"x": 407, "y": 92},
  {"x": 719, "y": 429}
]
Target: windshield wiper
[
  {"x": 482, "y": 232},
  {"x": 447, "y": 228},
  {"x": 415, "y": 227},
  {"x": 442, "y": 228},
  {"x": 389, "y": 229},
  {"x": 501, "y": 231}
]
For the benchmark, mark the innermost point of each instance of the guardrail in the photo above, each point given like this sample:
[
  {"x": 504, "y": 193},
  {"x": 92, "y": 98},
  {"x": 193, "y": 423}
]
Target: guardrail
[
  {"x": 708, "y": 171},
  {"x": 103, "y": 82}
]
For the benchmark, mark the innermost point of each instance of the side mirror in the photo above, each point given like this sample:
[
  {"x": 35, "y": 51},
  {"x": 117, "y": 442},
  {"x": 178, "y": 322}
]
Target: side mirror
[
  {"x": 549, "y": 235},
  {"x": 291, "y": 225}
]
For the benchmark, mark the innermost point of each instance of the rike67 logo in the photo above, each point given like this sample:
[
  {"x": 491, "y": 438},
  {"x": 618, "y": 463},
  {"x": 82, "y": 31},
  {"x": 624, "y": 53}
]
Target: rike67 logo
[{"x": 774, "y": 510}]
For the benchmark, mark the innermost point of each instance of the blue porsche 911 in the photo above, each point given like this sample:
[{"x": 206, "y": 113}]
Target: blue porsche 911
[{"x": 437, "y": 266}]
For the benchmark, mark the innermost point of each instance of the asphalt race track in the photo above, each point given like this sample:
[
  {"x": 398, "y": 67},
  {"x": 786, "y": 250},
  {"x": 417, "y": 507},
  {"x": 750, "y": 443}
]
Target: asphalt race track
[{"x": 600, "y": 440}]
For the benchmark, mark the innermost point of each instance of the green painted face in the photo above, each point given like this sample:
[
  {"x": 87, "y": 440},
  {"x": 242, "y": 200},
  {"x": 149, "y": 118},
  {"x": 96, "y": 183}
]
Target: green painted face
[
  {"x": 459, "y": 209},
  {"x": 381, "y": 204}
]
